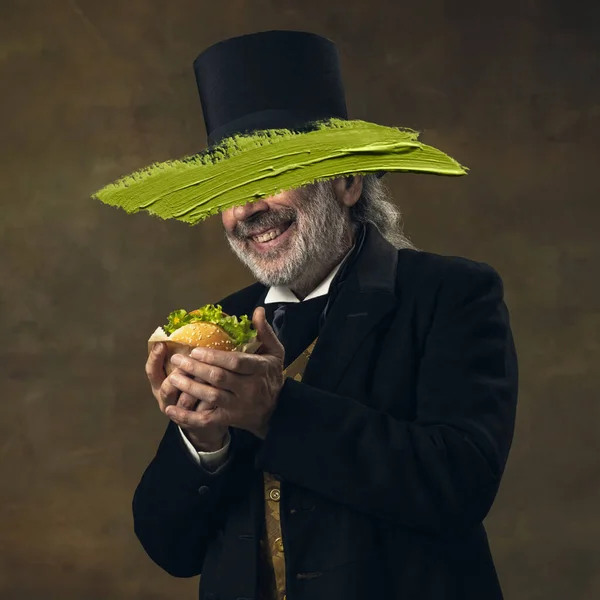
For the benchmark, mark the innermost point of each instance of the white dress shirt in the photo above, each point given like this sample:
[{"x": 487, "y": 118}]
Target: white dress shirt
[{"x": 213, "y": 461}]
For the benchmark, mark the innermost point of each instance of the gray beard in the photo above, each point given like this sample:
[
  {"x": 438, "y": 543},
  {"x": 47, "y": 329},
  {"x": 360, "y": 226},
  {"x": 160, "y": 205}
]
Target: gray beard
[{"x": 323, "y": 235}]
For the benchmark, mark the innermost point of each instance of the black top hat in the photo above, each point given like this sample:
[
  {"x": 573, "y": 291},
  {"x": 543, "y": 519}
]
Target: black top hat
[
  {"x": 269, "y": 80},
  {"x": 275, "y": 113}
]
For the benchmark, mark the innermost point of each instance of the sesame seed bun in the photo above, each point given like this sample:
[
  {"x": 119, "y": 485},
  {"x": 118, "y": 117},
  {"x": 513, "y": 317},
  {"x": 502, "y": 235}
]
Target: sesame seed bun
[{"x": 206, "y": 335}]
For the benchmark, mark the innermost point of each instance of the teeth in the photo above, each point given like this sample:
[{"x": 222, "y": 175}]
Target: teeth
[{"x": 270, "y": 235}]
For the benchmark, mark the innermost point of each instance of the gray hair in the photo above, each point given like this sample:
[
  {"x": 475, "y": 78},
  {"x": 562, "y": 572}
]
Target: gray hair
[{"x": 375, "y": 206}]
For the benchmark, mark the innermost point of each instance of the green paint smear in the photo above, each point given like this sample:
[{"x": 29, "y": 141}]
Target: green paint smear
[{"x": 245, "y": 168}]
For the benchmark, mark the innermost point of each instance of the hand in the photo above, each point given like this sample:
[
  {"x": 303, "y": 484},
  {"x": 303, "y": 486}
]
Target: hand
[
  {"x": 206, "y": 438},
  {"x": 241, "y": 388}
]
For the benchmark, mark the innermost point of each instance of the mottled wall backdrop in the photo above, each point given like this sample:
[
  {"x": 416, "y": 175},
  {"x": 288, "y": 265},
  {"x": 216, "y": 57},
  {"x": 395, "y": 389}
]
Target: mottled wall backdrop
[{"x": 94, "y": 90}]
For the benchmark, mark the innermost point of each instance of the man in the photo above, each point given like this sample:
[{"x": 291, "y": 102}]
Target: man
[{"x": 370, "y": 475}]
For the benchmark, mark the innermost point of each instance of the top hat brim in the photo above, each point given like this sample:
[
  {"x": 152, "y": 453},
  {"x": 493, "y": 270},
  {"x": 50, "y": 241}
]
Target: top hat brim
[{"x": 245, "y": 168}]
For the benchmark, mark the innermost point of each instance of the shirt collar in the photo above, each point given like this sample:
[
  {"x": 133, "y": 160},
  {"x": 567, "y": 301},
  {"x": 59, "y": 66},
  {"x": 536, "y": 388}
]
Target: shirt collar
[{"x": 282, "y": 293}]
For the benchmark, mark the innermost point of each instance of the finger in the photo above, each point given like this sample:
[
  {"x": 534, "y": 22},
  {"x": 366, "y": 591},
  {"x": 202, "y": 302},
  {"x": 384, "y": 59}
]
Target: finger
[
  {"x": 190, "y": 418},
  {"x": 188, "y": 402},
  {"x": 168, "y": 394},
  {"x": 265, "y": 334},
  {"x": 208, "y": 374},
  {"x": 236, "y": 362},
  {"x": 197, "y": 389},
  {"x": 155, "y": 366}
]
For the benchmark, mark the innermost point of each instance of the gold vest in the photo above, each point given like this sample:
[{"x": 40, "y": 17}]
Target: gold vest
[{"x": 271, "y": 576}]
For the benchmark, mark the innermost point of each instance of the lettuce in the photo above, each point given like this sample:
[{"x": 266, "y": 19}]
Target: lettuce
[{"x": 239, "y": 329}]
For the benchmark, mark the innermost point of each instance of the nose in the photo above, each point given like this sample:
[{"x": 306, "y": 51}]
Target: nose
[{"x": 241, "y": 213}]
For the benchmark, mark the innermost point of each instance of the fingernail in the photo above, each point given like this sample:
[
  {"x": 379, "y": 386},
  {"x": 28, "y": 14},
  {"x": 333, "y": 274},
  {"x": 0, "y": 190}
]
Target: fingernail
[
  {"x": 170, "y": 411},
  {"x": 176, "y": 379},
  {"x": 198, "y": 353},
  {"x": 158, "y": 348}
]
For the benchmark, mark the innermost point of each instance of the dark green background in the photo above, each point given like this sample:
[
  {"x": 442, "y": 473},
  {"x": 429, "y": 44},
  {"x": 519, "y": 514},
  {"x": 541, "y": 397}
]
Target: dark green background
[{"x": 94, "y": 90}]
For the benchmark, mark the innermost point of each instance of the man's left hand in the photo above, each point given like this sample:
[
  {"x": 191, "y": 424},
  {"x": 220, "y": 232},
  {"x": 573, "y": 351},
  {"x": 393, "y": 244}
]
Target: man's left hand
[{"x": 244, "y": 388}]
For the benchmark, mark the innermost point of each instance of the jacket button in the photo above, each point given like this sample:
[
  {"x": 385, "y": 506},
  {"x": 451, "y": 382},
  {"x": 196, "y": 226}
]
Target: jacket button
[
  {"x": 204, "y": 490},
  {"x": 279, "y": 544},
  {"x": 275, "y": 494}
]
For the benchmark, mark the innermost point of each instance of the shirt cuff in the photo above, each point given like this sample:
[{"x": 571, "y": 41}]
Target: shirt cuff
[{"x": 211, "y": 461}]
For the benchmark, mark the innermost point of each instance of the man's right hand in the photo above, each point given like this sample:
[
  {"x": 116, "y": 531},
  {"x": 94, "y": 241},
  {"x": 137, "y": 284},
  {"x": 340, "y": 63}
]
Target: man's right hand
[{"x": 205, "y": 438}]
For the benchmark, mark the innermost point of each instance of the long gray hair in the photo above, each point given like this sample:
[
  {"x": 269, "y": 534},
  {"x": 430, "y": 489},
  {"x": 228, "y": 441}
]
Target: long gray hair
[{"x": 375, "y": 206}]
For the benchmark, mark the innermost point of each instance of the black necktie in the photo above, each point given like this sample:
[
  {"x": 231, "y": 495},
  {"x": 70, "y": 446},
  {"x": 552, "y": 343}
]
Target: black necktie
[
  {"x": 296, "y": 324},
  {"x": 279, "y": 318}
]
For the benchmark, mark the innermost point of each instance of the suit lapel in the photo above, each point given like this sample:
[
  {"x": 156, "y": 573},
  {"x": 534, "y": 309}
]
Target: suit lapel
[
  {"x": 364, "y": 300},
  {"x": 348, "y": 324}
]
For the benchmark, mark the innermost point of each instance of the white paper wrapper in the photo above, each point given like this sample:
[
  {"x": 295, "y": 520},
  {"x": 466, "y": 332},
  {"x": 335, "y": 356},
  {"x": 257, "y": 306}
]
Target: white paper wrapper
[{"x": 177, "y": 348}]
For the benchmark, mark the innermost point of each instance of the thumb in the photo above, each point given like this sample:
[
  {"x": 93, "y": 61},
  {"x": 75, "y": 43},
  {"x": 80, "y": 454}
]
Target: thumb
[{"x": 266, "y": 335}]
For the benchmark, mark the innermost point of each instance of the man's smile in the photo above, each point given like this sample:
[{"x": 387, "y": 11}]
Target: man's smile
[{"x": 273, "y": 237}]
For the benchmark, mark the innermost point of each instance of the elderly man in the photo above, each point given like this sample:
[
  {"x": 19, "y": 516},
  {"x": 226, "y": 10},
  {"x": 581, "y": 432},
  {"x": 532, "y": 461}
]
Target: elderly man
[{"x": 368, "y": 475}]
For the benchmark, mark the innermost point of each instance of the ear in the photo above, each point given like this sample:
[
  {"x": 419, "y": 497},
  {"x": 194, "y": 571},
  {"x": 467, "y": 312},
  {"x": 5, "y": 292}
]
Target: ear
[{"x": 353, "y": 186}]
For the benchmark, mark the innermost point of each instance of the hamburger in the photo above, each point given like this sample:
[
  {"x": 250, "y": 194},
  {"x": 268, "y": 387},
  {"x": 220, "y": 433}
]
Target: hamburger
[{"x": 207, "y": 327}]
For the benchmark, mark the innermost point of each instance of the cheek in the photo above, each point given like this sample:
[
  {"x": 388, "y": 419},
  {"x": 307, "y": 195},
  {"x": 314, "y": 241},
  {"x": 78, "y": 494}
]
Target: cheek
[{"x": 228, "y": 223}]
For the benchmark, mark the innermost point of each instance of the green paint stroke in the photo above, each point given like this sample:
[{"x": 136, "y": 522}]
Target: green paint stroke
[{"x": 245, "y": 168}]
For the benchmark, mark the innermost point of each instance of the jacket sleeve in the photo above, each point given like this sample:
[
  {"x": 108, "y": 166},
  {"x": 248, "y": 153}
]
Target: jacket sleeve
[
  {"x": 440, "y": 472},
  {"x": 179, "y": 507}
]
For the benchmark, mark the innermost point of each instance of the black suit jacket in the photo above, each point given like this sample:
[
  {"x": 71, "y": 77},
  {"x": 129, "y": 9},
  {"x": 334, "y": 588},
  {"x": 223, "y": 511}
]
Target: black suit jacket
[{"x": 389, "y": 452}]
